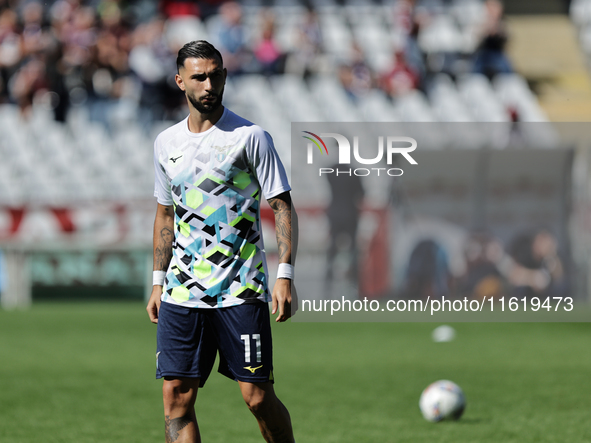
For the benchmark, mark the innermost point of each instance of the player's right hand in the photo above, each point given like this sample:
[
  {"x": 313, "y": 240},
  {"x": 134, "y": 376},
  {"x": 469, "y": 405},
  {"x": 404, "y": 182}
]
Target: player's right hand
[{"x": 154, "y": 303}]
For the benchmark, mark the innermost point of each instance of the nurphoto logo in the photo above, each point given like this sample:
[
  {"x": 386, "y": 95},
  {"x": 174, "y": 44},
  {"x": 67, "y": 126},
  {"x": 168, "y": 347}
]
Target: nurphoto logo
[{"x": 394, "y": 145}]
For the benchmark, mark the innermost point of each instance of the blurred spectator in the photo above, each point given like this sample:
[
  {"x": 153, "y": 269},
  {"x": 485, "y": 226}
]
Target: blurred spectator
[
  {"x": 76, "y": 30},
  {"x": 109, "y": 70},
  {"x": 401, "y": 79},
  {"x": 482, "y": 278},
  {"x": 428, "y": 274},
  {"x": 110, "y": 13},
  {"x": 269, "y": 58},
  {"x": 56, "y": 77},
  {"x": 343, "y": 213},
  {"x": 309, "y": 57},
  {"x": 33, "y": 36},
  {"x": 356, "y": 77},
  {"x": 346, "y": 78},
  {"x": 538, "y": 265},
  {"x": 407, "y": 23},
  {"x": 408, "y": 65},
  {"x": 490, "y": 58},
  {"x": 363, "y": 77},
  {"x": 229, "y": 36},
  {"x": 179, "y": 8},
  {"x": 413, "y": 54},
  {"x": 152, "y": 61},
  {"x": 10, "y": 49},
  {"x": 26, "y": 83},
  {"x": 403, "y": 17},
  {"x": 529, "y": 267}
]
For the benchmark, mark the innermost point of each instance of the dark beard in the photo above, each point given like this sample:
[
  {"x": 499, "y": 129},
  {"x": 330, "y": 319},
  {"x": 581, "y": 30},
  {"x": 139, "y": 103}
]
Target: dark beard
[{"x": 203, "y": 108}]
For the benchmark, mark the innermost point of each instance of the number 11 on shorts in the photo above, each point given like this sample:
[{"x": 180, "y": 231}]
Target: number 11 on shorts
[{"x": 246, "y": 339}]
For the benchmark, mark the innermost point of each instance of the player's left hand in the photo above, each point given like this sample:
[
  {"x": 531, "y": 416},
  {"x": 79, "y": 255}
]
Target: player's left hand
[
  {"x": 285, "y": 299},
  {"x": 153, "y": 307}
]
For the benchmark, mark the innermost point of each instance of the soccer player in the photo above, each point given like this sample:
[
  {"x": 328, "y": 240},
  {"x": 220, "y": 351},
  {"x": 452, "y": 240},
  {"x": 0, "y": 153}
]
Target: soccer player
[{"x": 210, "y": 288}]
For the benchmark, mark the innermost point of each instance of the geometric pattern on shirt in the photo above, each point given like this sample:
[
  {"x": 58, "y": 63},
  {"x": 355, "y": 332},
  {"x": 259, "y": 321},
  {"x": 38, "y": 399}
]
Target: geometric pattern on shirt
[{"x": 218, "y": 201}]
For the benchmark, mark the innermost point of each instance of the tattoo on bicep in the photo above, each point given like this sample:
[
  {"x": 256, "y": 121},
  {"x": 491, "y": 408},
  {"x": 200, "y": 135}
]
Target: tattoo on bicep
[
  {"x": 173, "y": 427},
  {"x": 163, "y": 250},
  {"x": 282, "y": 212}
]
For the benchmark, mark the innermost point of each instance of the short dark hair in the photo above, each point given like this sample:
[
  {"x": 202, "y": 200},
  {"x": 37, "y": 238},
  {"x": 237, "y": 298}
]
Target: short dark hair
[{"x": 197, "y": 49}]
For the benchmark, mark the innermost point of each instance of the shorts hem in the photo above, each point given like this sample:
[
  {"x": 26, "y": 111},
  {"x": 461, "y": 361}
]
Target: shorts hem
[
  {"x": 256, "y": 380},
  {"x": 177, "y": 374},
  {"x": 251, "y": 379},
  {"x": 228, "y": 373}
]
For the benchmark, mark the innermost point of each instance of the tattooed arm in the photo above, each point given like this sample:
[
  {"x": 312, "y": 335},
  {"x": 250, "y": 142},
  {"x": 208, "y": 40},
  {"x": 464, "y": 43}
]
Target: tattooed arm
[
  {"x": 286, "y": 230},
  {"x": 163, "y": 238}
]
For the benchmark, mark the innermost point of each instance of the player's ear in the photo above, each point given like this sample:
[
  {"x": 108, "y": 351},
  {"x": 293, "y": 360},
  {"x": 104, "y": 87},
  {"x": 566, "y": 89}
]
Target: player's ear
[
  {"x": 179, "y": 82},
  {"x": 225, "y": 74}
]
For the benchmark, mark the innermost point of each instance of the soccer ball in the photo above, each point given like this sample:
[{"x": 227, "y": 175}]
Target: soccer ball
[
  {"x": 443, "y": 334},
  {"x": 442, "y": 400}
]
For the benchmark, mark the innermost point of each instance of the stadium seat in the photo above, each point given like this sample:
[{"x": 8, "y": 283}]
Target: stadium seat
[
  {"x": 337, "y": 36},
  {"x": 441, "y": 35},
  {"x": 480, "y": 98},
  {"x": 468, "y": 13},
  {"x": 182, "y": 29},
  {"x": 288, "y": 20},
  {"x": 414, "y": 107},
  {"x": 375, "y": 107},
  {"x": 331, "y": 97},
  {"x": 295, "y": 98},
  {"x": 513, "y": 91},
  {"x": 446, "y": 101}
]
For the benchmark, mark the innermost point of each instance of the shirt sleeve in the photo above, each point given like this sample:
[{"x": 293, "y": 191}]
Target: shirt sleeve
[
  {"x": 162, "y": 190},
  {"x": 267, "y": 165}
]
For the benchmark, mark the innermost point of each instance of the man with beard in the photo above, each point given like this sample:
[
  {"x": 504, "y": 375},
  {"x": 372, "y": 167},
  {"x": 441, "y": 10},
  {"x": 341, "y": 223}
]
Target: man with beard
[{"x": 210, "y": 290}]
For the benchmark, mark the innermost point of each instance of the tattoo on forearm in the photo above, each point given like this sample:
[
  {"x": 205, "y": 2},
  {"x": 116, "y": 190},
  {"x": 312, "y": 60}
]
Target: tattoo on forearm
[
  {"x": 163, "y": 249},
  {"x": 173, "y": 426},
  {"x": 283, "y": 229}
]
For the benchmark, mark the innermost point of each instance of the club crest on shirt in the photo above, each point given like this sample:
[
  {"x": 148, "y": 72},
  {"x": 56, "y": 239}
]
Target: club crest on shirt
[{"x": 221, "y": 152}]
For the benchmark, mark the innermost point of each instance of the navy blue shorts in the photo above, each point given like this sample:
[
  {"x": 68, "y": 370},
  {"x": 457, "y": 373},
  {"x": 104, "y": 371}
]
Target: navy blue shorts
[{"x": 188, "y": 340}]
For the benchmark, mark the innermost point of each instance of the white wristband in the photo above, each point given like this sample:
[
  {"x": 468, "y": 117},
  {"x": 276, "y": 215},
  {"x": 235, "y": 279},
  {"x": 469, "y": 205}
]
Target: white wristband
[
  {"x": 285, "y": 270},
  {"x": 158, "y": 278}
]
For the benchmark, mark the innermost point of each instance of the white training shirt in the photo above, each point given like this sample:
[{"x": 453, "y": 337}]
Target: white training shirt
[{"x": 214, "y": 180}]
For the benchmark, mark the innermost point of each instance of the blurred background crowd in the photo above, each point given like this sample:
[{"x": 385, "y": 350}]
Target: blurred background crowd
[{"x": 101, "y": 54}]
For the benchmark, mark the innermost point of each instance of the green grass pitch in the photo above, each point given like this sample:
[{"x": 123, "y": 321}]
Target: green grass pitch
[{"x": 85, "y": 373}]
